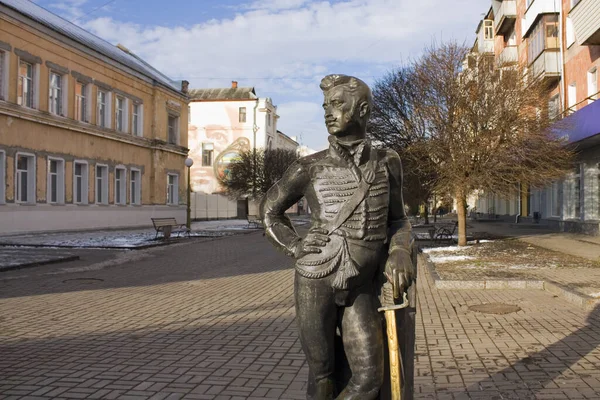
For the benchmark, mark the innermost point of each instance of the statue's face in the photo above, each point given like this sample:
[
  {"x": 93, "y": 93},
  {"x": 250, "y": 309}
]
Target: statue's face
[{"x": 340, "y": 110}]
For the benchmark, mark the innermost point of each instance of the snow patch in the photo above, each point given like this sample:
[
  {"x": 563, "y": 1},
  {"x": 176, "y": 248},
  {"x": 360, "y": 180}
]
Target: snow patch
[
  {"x": 445, "y": 259},
  {"x": 449, "y": 249}
]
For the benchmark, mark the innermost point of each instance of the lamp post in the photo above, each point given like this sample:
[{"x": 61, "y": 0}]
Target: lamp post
[{"x": 188, "y": 163}]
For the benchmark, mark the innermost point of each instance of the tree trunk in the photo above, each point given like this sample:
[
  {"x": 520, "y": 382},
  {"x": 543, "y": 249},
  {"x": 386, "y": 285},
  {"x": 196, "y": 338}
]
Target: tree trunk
[
  {"x": 461, "y": 213},
  {"x": 426, "y": 212}
]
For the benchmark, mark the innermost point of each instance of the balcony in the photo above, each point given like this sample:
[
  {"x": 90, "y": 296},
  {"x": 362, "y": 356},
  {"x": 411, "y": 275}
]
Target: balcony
[
  {"x": 505, "y": 17},
  {"x": 546, "y": 66},
  {"x": 586, "y": 21},
  {"x": 509, "y": 55}
]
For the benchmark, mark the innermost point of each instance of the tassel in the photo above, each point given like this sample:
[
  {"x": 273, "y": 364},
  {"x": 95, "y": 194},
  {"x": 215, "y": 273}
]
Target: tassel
[{"x": 346, "y": 271}]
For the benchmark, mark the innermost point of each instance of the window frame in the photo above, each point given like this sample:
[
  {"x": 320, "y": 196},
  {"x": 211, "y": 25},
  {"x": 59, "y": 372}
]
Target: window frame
[
  {"x": 85, "y": 105},
  {"x": 103, "y": 183},
  {"x": 64, "y": 98},
  {"x": 135, "y": 200},
  {"x": 211, "y": 155},
  {"x": 121, "y": 184},
  {"x": 242, "y": 112},
  {"x": 60, "y": 181},
  {"x": 84, "y": 182},
  {"x": 571, "y": 96},
  {"x": 124, "y": 128},
  {"x": 107, "y": 105},
  {"x": 173, "y": 198},
  {"x": 2, "y": 176},
  {"x": 33, "y": 95},
  {"x": 488, "y": 29},
  {"x": 4, "y": 74},
  {"x": 137, "y": 126},
  {"x": 175, "y": 117},
  {"x": 592, "y": 81},
  {"x": 31, "y": 178}
]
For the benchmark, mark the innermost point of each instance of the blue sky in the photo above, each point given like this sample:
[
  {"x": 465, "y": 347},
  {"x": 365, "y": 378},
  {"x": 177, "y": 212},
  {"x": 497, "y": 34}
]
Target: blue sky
[{"x": 281, "y": 47}]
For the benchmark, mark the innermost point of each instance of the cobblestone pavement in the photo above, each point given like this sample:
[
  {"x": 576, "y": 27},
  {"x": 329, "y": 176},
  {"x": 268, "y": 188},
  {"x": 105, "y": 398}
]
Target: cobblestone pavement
[{"x": 214, "y": 320}]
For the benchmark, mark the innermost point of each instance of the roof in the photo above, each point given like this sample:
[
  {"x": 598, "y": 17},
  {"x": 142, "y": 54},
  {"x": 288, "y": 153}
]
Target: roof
[
  {"x": 80, "y": 35},
  {"x": 286, "y": 136},
  {"x": 239, "y": 93}
]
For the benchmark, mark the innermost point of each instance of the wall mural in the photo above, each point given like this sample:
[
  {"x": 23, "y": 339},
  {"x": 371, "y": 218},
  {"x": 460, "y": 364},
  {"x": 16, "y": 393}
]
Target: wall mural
[{"x": 224, "y": 159}]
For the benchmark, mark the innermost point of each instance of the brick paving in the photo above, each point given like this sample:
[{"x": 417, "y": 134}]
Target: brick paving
[{"x": 215, "y": 320}]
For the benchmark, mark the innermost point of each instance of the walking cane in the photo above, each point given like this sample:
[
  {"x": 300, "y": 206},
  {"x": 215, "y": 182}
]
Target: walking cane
[{"x": 396, "y": 368}]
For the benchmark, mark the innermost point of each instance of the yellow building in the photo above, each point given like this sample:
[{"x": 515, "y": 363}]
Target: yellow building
[{"x": 91, "y": 136}]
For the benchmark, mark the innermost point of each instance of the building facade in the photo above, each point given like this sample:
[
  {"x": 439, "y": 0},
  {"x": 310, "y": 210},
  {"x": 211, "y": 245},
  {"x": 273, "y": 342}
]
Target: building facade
[
  {"x": 91, "y": 136},
  {"x": 224, "y": 122},
  {"x": 557, "y": 41}
]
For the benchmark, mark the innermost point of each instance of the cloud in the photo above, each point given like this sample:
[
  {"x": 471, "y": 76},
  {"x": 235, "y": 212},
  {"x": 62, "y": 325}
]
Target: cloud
[
  {"x": 70, "y": 9},
  {"x": 284, "y": 47},
  {"x": 304, "y": 120}
]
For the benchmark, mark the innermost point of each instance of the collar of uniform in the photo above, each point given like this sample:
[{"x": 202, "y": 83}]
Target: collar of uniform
[{"x": 356, "y": 150}]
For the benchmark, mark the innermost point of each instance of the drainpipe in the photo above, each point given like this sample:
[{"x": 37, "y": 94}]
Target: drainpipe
[{"x": 561, "y": 55}]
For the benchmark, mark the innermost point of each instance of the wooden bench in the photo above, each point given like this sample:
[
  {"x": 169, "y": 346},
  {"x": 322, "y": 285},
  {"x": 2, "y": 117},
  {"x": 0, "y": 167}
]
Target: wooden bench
[
  {"x": 168, "y": 226},
  {"x": 255, "y": 221}
]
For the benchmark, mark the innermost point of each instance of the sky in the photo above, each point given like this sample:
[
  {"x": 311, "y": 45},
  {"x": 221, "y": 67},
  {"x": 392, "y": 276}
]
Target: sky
[{"x": 282, "y": 48}]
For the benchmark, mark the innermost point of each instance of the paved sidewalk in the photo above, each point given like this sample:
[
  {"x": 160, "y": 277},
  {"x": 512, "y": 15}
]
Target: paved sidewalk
[{"x": 215, "y": 320}]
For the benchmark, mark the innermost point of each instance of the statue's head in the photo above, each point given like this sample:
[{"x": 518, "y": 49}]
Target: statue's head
[{"x": 347, "y": 104}]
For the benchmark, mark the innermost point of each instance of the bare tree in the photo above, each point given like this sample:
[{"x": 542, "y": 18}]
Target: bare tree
[
  {"x": 255, "y": 171},
  {"x": 482, "y": 126},
  {"x": 397, "y": 123}
]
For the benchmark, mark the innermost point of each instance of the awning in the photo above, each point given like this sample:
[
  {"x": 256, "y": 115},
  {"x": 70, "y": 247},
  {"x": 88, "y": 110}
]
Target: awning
[{"x": 583, "y": 124}]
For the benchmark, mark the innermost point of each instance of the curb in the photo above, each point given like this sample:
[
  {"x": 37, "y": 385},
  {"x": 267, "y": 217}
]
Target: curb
[
  {"x": 581, "y": 300},
  {"x": 38, "y": 263}
]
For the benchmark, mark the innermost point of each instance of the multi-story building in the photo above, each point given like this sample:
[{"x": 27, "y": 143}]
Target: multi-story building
[
  {"x": 91, "y": 136},
  {"x": 557, "y": 41},
  {"x": 224, "y": 122}
]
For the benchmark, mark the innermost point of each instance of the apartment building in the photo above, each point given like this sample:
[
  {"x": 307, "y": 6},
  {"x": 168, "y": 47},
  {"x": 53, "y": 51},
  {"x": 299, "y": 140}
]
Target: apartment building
[
  {"x": 91, "y": 136},
  {"x": 223, "y": 122},
  {"x": 558, "y": 41}
]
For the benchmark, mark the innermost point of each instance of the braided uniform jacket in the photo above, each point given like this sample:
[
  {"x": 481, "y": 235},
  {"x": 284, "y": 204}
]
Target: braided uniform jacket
[{"x": 328, "y": 179}]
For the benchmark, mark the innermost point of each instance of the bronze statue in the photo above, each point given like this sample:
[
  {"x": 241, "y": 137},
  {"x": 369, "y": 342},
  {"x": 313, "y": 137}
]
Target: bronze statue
[{"x": 359, "y": 236}]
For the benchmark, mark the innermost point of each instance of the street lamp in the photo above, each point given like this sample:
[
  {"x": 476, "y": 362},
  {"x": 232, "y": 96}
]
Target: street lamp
[{"x": 188, "y": 163}]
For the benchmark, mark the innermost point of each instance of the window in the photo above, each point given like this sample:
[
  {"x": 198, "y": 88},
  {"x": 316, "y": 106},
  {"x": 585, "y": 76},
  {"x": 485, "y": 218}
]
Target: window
[
  {"x": 102, "y": 107},
  {"x": 3, "y": 75},
  {"x": 80, "y": 182},
  {"x": 81, "y": 102},
  {"x": 55, "y": 103},
  {"x": 554, "y": 107},
  {"x": 55, "y": 190},
  {"x": 172, "y": 189},
  {"x": 555, "y": 201},
  {"x": 2, "y": 176},
  {"x": 592, "y": 76},
  {"x": 101, "y": 184},
  {"x": 121, "y": 114},
  {"x": 120, "y": 185},
  {"x": 25, "y": 178},
  {"x": 488, "y": 29},
  {"x": 207, "y": 154},
  {"x": 575, "y": 194},
  {"x": 25, "y": 85},
  {"x": 242, "y": 117},
  {"x": 572, "y": 96},
  {"x": 135, "y": 186},
  {"x": 136, "y": 124},
  {"x": 543, "y": 37},
  {"x": 173, "y": 124}
]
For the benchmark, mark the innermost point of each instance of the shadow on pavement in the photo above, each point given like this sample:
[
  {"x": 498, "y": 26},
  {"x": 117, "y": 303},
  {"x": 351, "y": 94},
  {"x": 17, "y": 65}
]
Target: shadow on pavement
[
  {"x": 200, "y": 356},
  {"x": 532, "y": 375},
  {"x": 192, "y": 261}
]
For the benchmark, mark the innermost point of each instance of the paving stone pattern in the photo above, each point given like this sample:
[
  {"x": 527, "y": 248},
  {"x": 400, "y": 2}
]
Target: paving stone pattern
[{"x": 215, "y": 320}]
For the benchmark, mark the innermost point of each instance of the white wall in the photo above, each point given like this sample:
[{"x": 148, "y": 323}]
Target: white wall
[
  {"x": 17, "y": 218},
  {"x": 217, "y": 122}
]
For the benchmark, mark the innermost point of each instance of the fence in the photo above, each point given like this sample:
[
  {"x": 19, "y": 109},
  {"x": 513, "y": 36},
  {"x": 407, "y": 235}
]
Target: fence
[{"x": 213, "y": 206}]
